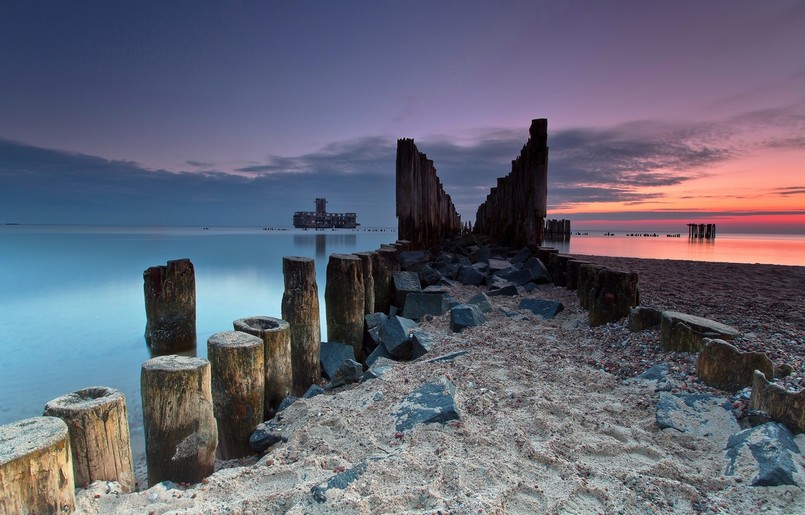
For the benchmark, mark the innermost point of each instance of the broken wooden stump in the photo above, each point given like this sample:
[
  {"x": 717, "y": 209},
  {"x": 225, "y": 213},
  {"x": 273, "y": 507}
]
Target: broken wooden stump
[
  {"x": 587, "y": 275},
  {"x": 180, "y": 428},
  {"x": 613, "y": 293},
  {"x": 278, "y": 371},
  {"x": 723, "y": 366},
  {"x": 36, "y": 467},
  {"x": 238, "y": 379},
  {"x": 782, "y": 406},
  {"x": 368, "y": 281},
  {"x": 345, "y": 301},
  {"x": 99, "y": 435},
  {"x": 385, "y": 261},
  {"x": 573, "y": 266},
  {"x": 300, "y": 308},
  {"x": 170, "y": 306},
  {"x": 680, "y": 332}
]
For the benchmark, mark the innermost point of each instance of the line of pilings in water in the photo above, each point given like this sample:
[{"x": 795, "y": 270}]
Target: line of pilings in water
[{"x": 702, "y": 231}]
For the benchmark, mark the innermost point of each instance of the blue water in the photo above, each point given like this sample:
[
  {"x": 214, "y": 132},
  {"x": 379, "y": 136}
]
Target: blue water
[{"x": 72, "y": 312}]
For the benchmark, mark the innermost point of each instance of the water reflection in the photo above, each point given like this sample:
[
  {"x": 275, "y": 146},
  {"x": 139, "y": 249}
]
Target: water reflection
[{"x": 319, "y": 241}]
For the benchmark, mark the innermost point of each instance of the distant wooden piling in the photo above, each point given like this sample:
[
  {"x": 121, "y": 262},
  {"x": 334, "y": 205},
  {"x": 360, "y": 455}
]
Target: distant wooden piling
[
  {"x": 277, "y": 358},
  {"x": 170, "y": 306},
  {"x": 300, "y": 308},
  {"x": 36, "y": 467},
  {"x": 556, "y": 230},
  {"x": 180, "y": 428},
  {"x": 345, "y": 299},
  {"x": 238, "y": 379},
  {"x": 514, "y": 210},
  {"x": 702, "y": 231},
  {"x": 99, "y": 435}
]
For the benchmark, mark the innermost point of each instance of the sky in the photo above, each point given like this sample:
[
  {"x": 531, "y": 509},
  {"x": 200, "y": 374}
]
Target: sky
[{"x": 240, "y": 112}]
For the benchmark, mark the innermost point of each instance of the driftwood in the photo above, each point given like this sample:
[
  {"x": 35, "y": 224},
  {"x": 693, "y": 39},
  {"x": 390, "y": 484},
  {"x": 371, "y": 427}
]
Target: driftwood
[
  {"x": 300, "y": 308},
  {"x": 170, "y": 306},
  {"x": 36, "y": 468},
  {"x": 278, "y": 372},
  {"x": 238, "y": 379},
  {"x": 345, "y": 299},
  {"x": 99, "y": 435},
  {"x": 180, "y": 429}
]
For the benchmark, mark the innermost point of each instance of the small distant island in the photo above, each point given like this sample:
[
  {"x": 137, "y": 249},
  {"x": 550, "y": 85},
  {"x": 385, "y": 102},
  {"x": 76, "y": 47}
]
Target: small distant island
[{"x": 321, "y": 219}]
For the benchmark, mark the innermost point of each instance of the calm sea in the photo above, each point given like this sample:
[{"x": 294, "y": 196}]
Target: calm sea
[{"x": 72, "y": 311}]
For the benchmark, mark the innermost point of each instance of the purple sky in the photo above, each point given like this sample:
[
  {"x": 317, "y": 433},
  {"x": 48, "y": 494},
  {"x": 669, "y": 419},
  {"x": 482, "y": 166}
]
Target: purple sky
[{"x": 240, "y": 112}]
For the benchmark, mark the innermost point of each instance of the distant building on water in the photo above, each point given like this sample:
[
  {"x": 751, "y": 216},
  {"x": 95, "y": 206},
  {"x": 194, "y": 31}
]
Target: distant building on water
[{"x": 321, "y": 219}]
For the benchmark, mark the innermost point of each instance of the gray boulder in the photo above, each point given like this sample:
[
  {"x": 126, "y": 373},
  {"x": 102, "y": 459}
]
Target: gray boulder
[
  {"x": 412, "y": 260},
  {"x": 349, "y": 372},
  {"x": 265, "y": 435},
  {"x": 421, "y": 343},
  {"x": 510, "y": 290},
  {"x": 431, "y": 403},
  {"x": 515, "y": 276},
  {"x": 417, "y": 305},
  {"x": 332, "y": 355},
  {"x": 696, "y": 414},
  {"x": 539, "y": 273},
  {"x": 429, "y": 275},
  {"x": 482, "y": 301},
  {"x": 405, "y": 283},
  {"x": 380, "y": 352},
  {"x": 544, "y": 308},
  {"x": 469, "y": 276},
  {"x": 657, "y": 376},
  {"x": 463, "y": 316},
  {"x": 521, "y": 256},
  {"x": 771, "y": 449},
  {"x": 396, "y": 336}
]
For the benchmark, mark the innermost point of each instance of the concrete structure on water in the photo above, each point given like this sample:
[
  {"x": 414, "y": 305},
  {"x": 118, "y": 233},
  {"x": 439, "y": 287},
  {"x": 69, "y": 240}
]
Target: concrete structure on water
[{"x": 321, "y": 219}]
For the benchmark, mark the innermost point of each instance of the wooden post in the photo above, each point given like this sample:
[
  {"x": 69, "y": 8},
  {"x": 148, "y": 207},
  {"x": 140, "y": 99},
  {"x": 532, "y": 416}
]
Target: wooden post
[
  {"x": 99, "y": 435},
  {"x": 368, "y": 281},
  {"x": 278, "y": 372},
  {"x": 170, "y": 306},
  {"x": 613, "y": 294},
  {"x": 180, "y": 430},
  {"x": 344, "y": 299},
  {"x": 300, "y": 307},
  {"x": 238, "y": 389},
  {"x": 36, "y": 468}
]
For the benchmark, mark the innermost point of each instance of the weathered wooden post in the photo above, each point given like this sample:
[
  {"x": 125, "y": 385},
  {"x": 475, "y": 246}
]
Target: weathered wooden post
[
  {"x": 170, "y": 306},
  {"x": 36, "y": 468},
  {"x": 238, "y": 382},
  {"x": 99, "y": 435},
  {"x": 180, "y": 429},
  {"x": 613, "y": 294},
  {"x": 278, "y": 372},
  {"x": 300, "y": 307},
  {"x": 368, "y": 281},
  {"x": 385, "y": 262},
  {"x": 344, "y": 299}
]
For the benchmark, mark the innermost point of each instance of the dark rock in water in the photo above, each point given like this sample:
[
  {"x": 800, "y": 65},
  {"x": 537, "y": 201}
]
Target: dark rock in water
[
  {"x": 463, "y": 316},
  {"x": 659, "y": 375},
  {"x": 339, "y": 481},
  {"x": 332, "y": 354},
  {"x": 287, "y": 401},
  {"x": 722, "y": 365},
  {"x": 421, "y": 343},
  {"x": 469, "y": 276},
  {"x": 265, "y": 435},
  {"x": 695, "y": 414},
  {"x": 644, "y": 317},
  {"x": 544, "y": 308},
  {"x": 771, "y": 447},
  {"x": 379, "y": 352},
  {"x": 395, "y": 335},
  {"x": 539, "y": 272},
  {"x": 430, "y": 403},
  {"x": 482, "y": 301},
  {"x": 429, "y": 275},
  {"x": 313, "y": 391},
  {"x": 506, "y": 291},
  {"x": 375, "y": 319},
  {"x": 349, "y": 372},
  {"x": 417, "y": 305},
  {"x": 405, "y": 283},
  {"x": 521, "y": 256},
  {"x": 448, "y": 357}
]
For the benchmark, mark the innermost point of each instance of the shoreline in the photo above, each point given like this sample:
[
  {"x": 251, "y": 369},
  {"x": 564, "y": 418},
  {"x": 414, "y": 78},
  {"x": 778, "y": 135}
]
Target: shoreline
[{"x": 549, "y": 421}]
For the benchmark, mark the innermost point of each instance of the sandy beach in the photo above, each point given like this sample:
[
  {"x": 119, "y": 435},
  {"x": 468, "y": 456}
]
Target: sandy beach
[{"x": 551, "y": 420}]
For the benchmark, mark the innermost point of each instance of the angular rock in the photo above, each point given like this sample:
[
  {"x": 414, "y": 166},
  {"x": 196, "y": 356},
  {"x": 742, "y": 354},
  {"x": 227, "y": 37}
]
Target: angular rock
[
  {"x": 481, "y": 255},
  {"x": 449, "y": 282},
  {"x": 681, "y": 332},
  {"x": 482, "y": 301},
  {"x": 539, "y": 273},
  {"x": 522, "y": 255},
  {"x": 514, "y": 314},
  {"x": 496, "y": 265},
  {"x": 339, "y": 481},
  {"x": 380, "y": 352},
  {"x": 375, "y": 319},
  {"x": 396, "y": 336},
  {"x": 413, "y": 259},
  {"x": 429, "y": 404},
  {"x": 429, "y": 275},
  {"x": 509, "y": 290},
  {"x": 771, "y": 450},
  {"x": 722, "y": 365},
  {"x": 404, "y": 283},
  {"x": 313, "y": 391},
  {"x": 463, "y": 316},
  {"x": 349, "y": 372},
  {"x": 644, "y": 317},
  {"x": 518, "y": 277},
  {"x": 658, "y": 375},
  {"x": 781, "y": 405},
  {"x": 544, "y": 308},
  {"x": 287, "y": 401},
  {"x": 332, "y": 354},
  {"x": 529, "y": 287},
  {"x": 449, "y": 270},
  {"x": 694, "y": 414},
  {"x": 378, "y": 369},
  {"x": 265, "y": 435},
  {"x": 417, "y": 305},
  {"x": 469, "y": 276},
  {"x": 421, "y": 343}
]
